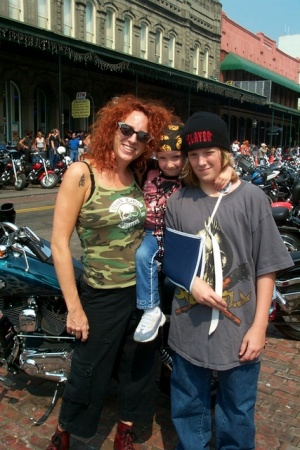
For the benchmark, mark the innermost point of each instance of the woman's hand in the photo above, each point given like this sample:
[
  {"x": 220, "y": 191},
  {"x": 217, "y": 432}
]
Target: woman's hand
[
  {"x": 77, "y": 323},
  {"x": 205, "y": 295}
]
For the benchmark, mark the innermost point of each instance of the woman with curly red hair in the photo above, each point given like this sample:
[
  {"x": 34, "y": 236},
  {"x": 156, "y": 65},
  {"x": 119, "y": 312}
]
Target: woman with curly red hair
[{"x": 102, "y": 199}]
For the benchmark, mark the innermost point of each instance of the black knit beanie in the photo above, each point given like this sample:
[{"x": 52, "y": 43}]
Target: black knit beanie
[{"x": 205, "y": 129}]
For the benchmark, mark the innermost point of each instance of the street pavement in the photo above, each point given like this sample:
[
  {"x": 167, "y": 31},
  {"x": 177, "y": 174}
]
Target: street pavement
[{"x": 277, "y": 411}]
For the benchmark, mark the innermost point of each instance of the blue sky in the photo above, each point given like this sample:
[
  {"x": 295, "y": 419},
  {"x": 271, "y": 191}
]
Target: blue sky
[{"x": 274, "y": 18}]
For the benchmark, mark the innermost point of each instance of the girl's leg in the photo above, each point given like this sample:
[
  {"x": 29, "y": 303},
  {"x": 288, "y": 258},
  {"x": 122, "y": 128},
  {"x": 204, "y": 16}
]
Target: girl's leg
[
  {"x": 147, "y": 290},
  {"x": 146, "y": 272}
]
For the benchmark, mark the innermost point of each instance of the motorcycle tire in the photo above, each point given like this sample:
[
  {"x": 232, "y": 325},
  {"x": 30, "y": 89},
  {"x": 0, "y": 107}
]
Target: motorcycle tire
[
  {"x": 49, "y": 181},
  {"x": 20, "y": 182},
  {"x": 289, "y": 324},
  {"x": 291, "y": 242}
]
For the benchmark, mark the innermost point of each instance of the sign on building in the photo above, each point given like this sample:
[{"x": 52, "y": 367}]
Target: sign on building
[{"x": 81, "y": 109}]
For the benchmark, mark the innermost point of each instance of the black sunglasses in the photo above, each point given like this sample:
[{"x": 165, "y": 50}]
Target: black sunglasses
[{"x": 127, "y": 130}]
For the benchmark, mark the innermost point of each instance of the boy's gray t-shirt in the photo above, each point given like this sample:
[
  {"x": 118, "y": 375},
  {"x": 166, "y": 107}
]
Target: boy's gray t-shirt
[{"x": 250, "y": 246}]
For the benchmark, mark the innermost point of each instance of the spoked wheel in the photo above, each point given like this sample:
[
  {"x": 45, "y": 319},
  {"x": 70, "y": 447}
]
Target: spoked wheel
[
  {"x": 289, "y": 324},
  {"x": 291, "y": 242},
  {"x": 20, "y": 182},
  {"x": 49, "y": 181}
]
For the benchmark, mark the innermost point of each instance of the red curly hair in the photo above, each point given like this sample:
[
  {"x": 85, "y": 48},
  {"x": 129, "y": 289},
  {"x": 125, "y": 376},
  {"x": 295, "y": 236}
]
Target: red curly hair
[{"x": 103, "y": 131}]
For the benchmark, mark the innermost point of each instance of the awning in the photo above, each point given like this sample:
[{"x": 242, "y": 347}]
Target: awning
[
  {"x": 234, "y": 62},
  {"x": 78, "y": 51}
]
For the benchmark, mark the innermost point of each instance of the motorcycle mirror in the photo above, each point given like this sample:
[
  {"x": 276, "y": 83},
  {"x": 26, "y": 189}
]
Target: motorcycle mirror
[{"x": 7, "y": 213}]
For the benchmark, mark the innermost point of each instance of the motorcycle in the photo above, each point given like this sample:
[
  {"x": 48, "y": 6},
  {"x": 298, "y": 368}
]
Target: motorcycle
[
  {"x": 286, "y": 216},
  {"x": 39, "y": 172},
  {"x": 285, "y": 309},
  {"x": 11, "y": 172},
  {"x": 263, "y": 177},
  {"x": 61, "y": 167},
  {"x": 33, "y": 336}
]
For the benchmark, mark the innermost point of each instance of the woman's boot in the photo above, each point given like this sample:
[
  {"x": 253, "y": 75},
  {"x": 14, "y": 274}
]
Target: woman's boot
[
  {"x": 123, "y": 438},
  {"x": 60, "y": 440}
]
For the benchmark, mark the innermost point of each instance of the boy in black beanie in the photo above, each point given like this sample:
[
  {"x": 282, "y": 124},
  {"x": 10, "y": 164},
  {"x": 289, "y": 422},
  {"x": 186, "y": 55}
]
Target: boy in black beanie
[{"x": 201, "y": 335}]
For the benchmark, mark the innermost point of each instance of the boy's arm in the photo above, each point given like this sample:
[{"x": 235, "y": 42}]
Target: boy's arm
[
  {"x": 224, "y": 178},
  {"x": 255, "y": 338}
]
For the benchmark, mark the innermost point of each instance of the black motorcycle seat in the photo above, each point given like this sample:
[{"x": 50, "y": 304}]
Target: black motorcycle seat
[
  {"x": 283, "y": 178},
  {"x": 280, "y": 213}
]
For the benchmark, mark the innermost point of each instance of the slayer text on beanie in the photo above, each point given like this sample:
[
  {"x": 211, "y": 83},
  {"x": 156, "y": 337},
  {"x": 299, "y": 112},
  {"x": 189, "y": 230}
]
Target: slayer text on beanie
[{"x": 205, "y": 129}]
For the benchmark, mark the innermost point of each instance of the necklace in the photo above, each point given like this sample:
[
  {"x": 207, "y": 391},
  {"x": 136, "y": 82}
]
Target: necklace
[{"x": 160, "y": 209}]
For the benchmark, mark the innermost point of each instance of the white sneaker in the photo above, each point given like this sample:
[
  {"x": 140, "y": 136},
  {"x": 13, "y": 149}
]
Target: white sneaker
[{"x": 147, "y": 329}]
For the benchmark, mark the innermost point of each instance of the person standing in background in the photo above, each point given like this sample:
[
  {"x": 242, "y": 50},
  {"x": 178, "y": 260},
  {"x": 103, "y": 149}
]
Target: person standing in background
[
  {"x": 73, "y": 145},
  {"x": 25, "y": 145},
  {"x": 54, "y": 143}
]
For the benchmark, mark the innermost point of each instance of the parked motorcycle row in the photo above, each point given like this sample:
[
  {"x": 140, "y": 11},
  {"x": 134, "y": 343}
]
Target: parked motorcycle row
[
  {"x": 281, "y": 183},
  {"x": 16, "y": 171}
]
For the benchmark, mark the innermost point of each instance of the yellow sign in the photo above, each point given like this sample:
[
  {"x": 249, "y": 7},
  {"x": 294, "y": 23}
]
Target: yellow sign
[{"x": 81, "y": 108}]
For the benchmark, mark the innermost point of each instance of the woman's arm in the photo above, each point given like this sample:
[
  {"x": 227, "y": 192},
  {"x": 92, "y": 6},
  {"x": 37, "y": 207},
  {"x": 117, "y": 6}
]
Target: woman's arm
[
  {"x": 71, "y": 196},
  {"x": 255, "y": 338}
]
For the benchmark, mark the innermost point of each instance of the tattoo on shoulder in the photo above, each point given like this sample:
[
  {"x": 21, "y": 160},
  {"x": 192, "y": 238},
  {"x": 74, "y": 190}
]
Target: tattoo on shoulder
[{"x": 82, "y": 180}]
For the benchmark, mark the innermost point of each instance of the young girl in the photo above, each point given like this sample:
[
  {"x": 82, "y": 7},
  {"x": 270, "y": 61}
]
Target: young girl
[{"x": 158, "y": 187}]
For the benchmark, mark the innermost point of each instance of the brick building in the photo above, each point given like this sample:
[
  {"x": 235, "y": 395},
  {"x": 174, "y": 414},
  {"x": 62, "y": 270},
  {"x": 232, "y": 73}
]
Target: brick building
[
  {"x": 254, "y": 63},
  {"x": 51, "y": 51}
]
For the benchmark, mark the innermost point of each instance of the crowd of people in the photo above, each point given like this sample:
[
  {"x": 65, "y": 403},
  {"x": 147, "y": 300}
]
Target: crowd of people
[
  {"x": 263, "y": 154},
  {"x": 47, "y": 145},
  {"x": 194, "y": 193}
]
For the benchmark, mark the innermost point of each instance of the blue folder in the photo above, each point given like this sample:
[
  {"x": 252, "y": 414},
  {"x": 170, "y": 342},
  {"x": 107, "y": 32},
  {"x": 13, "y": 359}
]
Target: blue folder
[{"x": 184, "y": 257}]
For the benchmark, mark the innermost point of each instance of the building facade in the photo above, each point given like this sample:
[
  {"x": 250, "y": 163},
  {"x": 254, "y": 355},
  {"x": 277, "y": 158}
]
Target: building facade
[
  {"x": 52, "y": 49},
  {"x": 61, "y": 60},
  {"x": 252, "y": 62}
]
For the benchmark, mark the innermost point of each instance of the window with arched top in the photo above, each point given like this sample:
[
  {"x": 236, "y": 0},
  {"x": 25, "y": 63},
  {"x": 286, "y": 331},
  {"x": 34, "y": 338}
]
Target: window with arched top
[
  {"x": 68, "y": 17},
  {"x": 127, "y": 35},
  {"x": 40, "y": 107},
  {"x": 144, "y": 40},
  {"x": 171, "y": 51},
  {"x": 15, "y": 9},
  {"x": 90, "y": 22},
  {"x": 158, "y": 46},
  {"x": 196, "y": 59},
  {"x": 110, "y": 28},
  {"x": 12, "y": 112},
  {"x": 205, "y": 62},
  {"x": 43, "y": 14}
]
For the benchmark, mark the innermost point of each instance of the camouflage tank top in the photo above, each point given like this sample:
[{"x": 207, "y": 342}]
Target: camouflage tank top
[{"x": 110, "y": 228}]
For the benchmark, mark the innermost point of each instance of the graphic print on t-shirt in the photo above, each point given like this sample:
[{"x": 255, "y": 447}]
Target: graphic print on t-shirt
[
  {"x": 129, "y": 210},
  {"x": 231, "y": 275}
]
